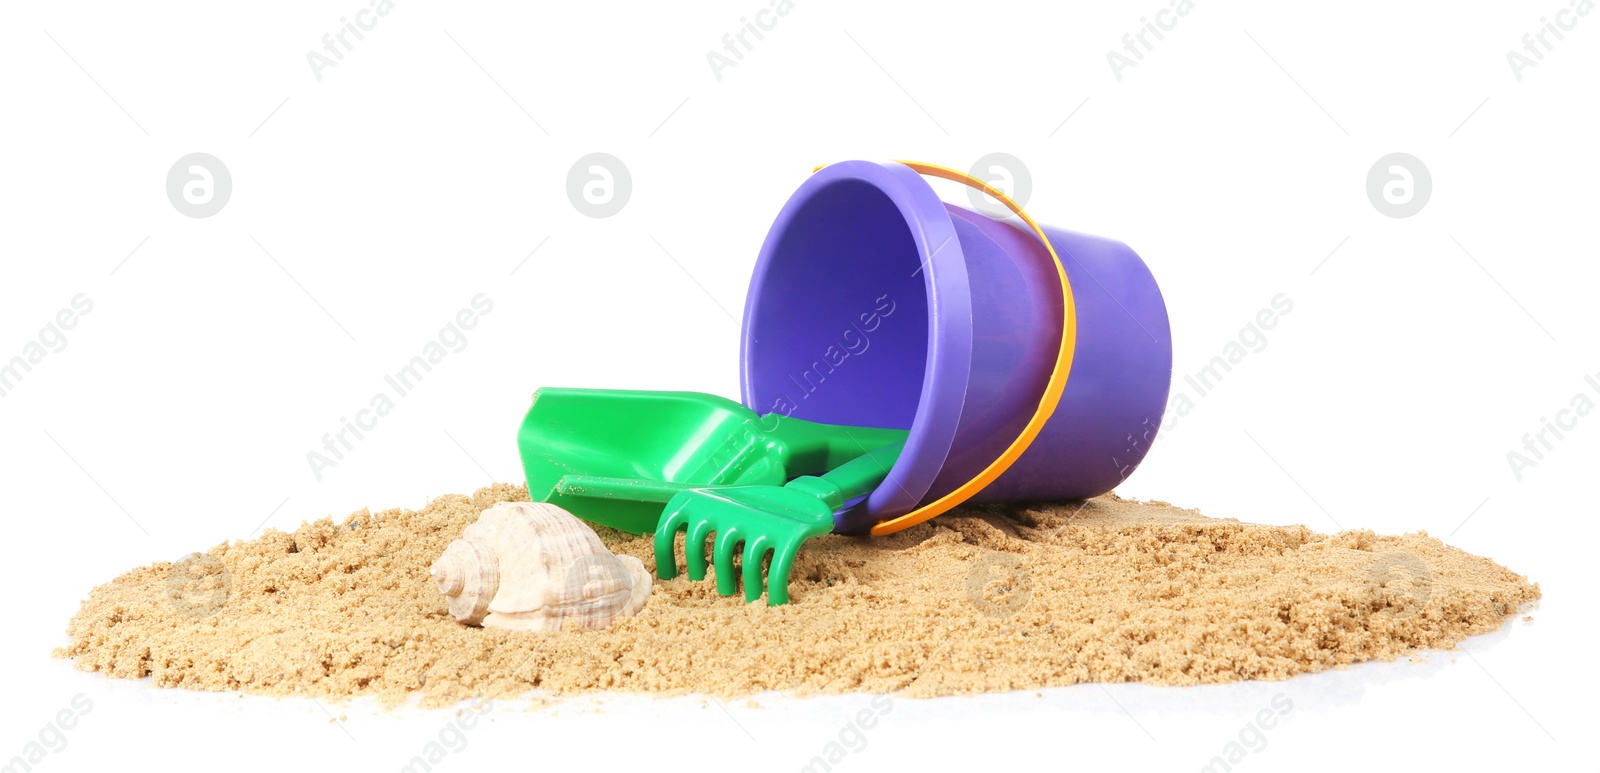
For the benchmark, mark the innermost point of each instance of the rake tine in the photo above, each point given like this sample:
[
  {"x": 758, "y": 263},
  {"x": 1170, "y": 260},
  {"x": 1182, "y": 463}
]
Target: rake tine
[
  {"x": 695, "y": 548},
  {"x": 754, "y": 551},
  {"x": 674, "y": 521},
  {"x": 778, "y": 576},
  {"x": 722, "y": 554}
]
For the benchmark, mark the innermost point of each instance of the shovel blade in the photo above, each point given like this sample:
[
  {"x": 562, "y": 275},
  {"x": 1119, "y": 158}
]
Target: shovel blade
[{"x": 579, "y": 446}]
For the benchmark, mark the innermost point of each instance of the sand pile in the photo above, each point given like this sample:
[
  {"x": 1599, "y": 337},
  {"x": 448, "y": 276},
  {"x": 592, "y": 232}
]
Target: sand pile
[{"x": 973, "y": 601}]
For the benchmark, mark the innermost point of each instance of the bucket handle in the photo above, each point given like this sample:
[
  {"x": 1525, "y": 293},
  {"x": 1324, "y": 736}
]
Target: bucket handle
[{"x": 1053, "y": 388}]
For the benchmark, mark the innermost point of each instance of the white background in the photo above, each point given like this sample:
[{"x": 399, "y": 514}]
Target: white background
[{"x": 369, "y": 206}]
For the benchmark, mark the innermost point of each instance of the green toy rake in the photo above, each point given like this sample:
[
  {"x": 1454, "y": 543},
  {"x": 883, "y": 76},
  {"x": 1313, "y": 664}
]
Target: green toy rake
[{"x": 765, "y": 520}]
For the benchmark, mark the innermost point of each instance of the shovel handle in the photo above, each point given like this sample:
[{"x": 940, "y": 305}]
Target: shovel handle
[
  {"x": 811, "y": 448},
  {"x": 855, "y": 478}
]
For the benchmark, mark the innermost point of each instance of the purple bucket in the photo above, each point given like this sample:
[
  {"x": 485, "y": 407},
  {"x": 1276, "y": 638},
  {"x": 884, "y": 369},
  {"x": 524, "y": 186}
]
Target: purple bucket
[{"x": 874, "y": 303}]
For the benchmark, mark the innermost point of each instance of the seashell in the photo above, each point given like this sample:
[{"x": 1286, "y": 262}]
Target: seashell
[{"x": 530, "y": 566}]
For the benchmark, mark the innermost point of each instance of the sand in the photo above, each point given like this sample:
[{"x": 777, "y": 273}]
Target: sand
[{"x": 977, "y": 600}]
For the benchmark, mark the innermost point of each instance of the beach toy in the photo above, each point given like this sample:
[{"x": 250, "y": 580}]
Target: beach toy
[
  {"x": 875, "y": 303},
  {"x": 762, "y": 520},
  {"x": 615, "y": 457}
]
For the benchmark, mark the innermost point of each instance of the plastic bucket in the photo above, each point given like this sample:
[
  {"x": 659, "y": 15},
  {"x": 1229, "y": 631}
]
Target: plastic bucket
[{"x": 874, "y": 303}]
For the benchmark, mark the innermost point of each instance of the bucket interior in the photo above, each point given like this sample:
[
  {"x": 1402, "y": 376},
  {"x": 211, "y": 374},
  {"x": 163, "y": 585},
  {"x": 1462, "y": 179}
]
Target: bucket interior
[{"x": 841, "y": 334}]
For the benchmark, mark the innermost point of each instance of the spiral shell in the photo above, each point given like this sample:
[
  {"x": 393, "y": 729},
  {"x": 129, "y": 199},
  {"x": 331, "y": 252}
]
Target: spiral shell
[{"x": 530, "y": 566}]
